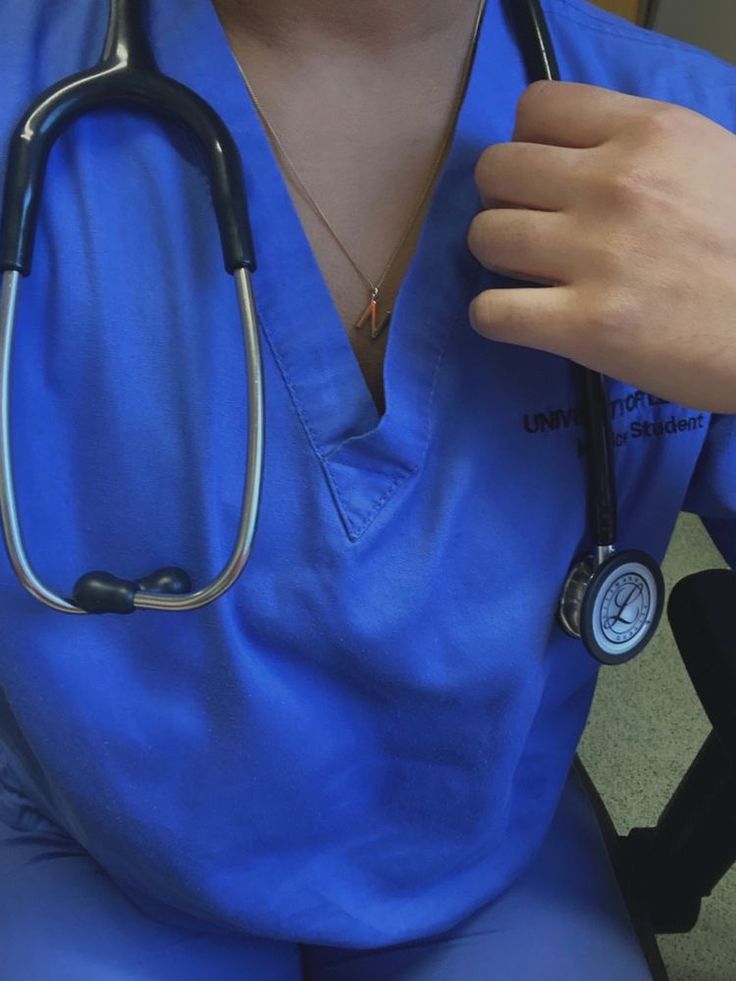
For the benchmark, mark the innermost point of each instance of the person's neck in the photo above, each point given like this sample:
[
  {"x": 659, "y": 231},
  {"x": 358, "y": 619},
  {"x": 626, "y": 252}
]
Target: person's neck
[{"x": 327, "y": 24}]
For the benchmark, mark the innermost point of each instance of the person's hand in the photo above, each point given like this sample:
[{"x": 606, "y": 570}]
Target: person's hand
[{"x": 624, "y": 210}]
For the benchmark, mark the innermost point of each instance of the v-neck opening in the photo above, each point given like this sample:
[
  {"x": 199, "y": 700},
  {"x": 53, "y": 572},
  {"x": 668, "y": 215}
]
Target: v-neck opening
[{"x": 365, "y": 456}]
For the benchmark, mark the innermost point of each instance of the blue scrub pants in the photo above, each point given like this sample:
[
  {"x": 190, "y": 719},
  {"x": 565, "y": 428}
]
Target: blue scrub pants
[{"x": 63, "y": 919}]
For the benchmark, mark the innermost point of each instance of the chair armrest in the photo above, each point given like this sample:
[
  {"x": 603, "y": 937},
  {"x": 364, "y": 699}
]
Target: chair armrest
[
  {"x": 674, "y": 865},
  {"x": 702, "y": 614}
]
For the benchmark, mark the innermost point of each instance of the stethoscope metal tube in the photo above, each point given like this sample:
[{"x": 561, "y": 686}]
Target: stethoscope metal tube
[
  {"x": 254, "y": 471},
  {"x": 95, "y": 590},
  {"x": 13, "y": 538}
]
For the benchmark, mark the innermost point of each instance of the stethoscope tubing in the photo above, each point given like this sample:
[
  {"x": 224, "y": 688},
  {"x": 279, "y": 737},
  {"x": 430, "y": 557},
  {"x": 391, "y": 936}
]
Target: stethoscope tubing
[
  {"x": 141, "y": 598},
  {"x": 530, "y": 25}
]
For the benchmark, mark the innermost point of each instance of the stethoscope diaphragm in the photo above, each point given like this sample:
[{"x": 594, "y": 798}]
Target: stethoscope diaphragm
[{"x": 613, "y": 606}]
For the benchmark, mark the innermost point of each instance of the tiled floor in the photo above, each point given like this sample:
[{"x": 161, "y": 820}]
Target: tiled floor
[{"x": 645, "y": 728}]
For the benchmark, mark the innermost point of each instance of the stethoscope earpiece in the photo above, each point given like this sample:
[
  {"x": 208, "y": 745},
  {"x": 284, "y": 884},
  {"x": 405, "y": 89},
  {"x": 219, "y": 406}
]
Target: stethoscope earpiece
[{"x": 614, "y": 606}]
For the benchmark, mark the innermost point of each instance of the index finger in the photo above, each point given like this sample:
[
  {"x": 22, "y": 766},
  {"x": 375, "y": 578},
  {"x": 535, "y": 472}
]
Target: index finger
[{"x": 572, "y": 114}]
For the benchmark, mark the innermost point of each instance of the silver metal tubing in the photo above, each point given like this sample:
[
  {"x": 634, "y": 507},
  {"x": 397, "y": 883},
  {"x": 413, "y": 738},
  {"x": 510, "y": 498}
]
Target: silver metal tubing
[
  {"x": 254, "y": 470},
  {"x": 252, "y": 483},
  {"x": 11, "y": 527},
  {"x": 604, "y": 552}
]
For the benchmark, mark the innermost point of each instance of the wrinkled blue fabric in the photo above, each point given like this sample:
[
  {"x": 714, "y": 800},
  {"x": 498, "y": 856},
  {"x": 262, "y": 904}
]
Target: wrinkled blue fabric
[
  {"x": 366, "y": 739},
  {"x": 63, "y": 918}
]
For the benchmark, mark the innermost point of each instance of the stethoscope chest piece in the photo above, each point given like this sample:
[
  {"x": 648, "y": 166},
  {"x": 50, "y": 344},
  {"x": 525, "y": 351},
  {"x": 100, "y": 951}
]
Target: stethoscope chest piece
[{"x": 614, "y": 607}]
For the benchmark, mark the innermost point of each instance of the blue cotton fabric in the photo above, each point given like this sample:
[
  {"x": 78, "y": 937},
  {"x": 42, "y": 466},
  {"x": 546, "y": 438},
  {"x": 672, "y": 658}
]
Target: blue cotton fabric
[
  {"x": 366, "y": 739},
  {"x": 62, "y": 917}
]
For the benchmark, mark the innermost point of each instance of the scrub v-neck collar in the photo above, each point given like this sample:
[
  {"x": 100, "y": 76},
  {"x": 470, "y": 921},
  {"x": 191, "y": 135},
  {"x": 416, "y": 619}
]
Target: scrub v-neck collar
[{"x": 365, "y": 459}]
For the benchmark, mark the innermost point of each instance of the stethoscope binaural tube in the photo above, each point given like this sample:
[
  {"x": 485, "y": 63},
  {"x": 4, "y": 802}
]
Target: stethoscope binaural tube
[
  {"x": 126, "y": 75},
  {"x": 611, "y": 600}
]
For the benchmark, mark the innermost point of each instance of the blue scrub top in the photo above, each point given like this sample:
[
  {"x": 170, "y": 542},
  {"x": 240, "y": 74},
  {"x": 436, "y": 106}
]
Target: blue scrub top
[{"x": 366, "y": 739}]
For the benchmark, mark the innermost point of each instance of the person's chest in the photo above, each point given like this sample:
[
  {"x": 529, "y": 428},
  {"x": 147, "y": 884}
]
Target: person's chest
[
  {"x": 349, "y": 292},
  {"x": 367, "y": 151}
]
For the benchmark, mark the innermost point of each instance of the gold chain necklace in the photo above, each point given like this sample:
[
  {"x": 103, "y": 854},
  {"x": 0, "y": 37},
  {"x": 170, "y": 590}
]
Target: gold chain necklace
[{"x": 370, "y": 313}]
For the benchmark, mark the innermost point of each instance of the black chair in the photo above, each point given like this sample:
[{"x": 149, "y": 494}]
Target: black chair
[{"x": 666, "y": 871}]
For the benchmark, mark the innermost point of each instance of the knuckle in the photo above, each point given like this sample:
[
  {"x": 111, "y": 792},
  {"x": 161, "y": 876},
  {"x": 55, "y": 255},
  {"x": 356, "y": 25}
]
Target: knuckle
[
  {"x": 629, "y": 183},
  {"x": 635, "y": 183},
  {"x": 533, "y": 92},
  {"x": 617, "y": 313},
  {"x": 529, "y": 104},
  {"x": 666, "y": 120}
]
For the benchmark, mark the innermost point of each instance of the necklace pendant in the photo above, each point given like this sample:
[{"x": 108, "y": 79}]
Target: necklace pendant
[
  {"x": 369, "y": 312},
  {"x": 377, "y": 331},
  {"x": 373, "y": 317},
  {"x": 363, "y": 317}
]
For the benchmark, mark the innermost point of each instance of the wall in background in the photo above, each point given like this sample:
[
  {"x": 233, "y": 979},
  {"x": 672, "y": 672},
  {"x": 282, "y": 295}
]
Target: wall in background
[
  {"x": 624, "y": 8},
  {"x": 709, "y": 24}
]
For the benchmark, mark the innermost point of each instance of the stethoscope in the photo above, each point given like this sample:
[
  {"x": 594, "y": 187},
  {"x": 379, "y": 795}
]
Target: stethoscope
[{"x": 611, "y": 600}]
